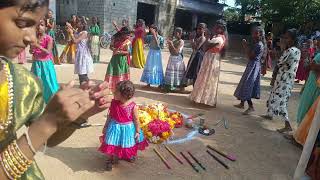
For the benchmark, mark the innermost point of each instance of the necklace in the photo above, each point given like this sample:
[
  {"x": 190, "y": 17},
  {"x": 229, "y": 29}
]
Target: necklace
[{"x": 6, "y": 116}]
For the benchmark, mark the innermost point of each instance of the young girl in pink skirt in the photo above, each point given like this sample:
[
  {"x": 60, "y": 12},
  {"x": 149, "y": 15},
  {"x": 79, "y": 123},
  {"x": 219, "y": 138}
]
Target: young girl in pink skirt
[{"x": 122, "y": 136}]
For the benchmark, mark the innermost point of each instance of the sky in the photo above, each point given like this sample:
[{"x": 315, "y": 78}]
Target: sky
[{"x": 230, "y": 2}]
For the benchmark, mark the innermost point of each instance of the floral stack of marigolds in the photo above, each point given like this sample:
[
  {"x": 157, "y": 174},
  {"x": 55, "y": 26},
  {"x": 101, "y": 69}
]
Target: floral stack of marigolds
[
  {"x": 157, "y": 122},
  {"x": 14, "y": 162}
]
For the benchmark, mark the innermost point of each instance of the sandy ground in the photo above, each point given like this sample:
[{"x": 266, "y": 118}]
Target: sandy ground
[{"x": 263, "y": 154}]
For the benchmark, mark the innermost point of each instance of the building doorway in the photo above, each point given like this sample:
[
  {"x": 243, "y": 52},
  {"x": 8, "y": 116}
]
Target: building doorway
[
  {"x": 183, "y": 19},
  {"x": 147, "y": 12}
]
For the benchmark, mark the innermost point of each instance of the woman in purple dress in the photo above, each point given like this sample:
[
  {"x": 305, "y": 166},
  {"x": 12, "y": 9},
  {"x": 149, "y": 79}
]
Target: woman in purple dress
[{"x": 249, "y": 85}]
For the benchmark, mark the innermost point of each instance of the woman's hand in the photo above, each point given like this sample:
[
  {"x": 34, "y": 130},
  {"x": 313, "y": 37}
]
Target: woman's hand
[
  {"x": 100, "y": 94},
  {"x": 68, "y": 105},
  {"x": 152, "y": 31},
  {"x": 136, "y": 136},
  {"x": 70, "y": 30}
]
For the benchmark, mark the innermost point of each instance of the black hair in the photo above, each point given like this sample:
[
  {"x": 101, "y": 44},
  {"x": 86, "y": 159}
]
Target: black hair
[
  {"x": 153, "y": 26},
  {"x": 26, "y": 5},
  {"x": 179, "y": 30},
  {"x": 293, "y": 33},
  {"x": 123, "y": 31},
  {"x": 126, "y": 89}
]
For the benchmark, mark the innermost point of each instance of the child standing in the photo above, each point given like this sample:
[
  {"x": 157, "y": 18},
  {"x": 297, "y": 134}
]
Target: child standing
[
  {"x": 122, "y": 136},
  {"x": 95, "y": 40},
  {"x": 249, "y": 85},
  {"x": 83, "y": 63},
  {"x": 51, "y": 25},
  {"x": 118, "y": 68},
  {"x": 153, "y": 72},
  {"x": 42, "y": 65},
  {"x": 176, "y": 67},
  {"x": 138, "y": 58}
]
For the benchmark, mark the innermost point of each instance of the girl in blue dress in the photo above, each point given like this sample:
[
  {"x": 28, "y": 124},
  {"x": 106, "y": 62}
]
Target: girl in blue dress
[
  {"x": 153, "y": 71},
  {"x": 249, "y": 85}
]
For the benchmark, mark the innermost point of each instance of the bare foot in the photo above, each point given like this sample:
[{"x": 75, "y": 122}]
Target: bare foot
[
  {"x": 266, "y": 117},
  {"x": 248, "y": 111},
  {"x": 240, "y": 106},
  {"x": 285, "y": 129}
]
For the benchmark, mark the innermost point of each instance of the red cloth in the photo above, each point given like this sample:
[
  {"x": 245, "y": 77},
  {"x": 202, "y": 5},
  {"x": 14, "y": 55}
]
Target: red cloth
[
  {"x": 122, "y": 114},
  {"x": 218, "y": 49},
  {"x": 139, "y": 33},
  {"x": 303, "y": 71},
  {"x": 122, "y": 153}
]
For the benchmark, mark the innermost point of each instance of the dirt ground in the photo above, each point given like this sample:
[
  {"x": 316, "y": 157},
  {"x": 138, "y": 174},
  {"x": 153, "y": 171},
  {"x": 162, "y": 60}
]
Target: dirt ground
[{"x": 262, "y": 153}]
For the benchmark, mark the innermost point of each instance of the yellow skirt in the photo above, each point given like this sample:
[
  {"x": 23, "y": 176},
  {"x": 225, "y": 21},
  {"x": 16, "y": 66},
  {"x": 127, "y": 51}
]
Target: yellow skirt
[
  {"x": 138, "y": 58},
  {"x": 69, "y": 53}
]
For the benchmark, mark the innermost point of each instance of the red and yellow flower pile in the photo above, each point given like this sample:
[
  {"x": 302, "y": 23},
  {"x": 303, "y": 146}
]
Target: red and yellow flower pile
[{"x": 157, "y": 122}]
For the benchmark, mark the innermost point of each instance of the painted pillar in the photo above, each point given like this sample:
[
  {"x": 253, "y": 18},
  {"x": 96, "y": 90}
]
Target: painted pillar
[
  {"x": 194, "y": 20},
  {"x": 166, "y": 16}
]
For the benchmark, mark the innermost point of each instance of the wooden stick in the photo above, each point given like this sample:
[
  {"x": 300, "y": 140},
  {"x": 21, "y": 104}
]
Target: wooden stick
[
  {"x": 162, "y": 158},
  {"x": 189, "y": 162},
  {"x": 217, "y": 159},
  {"x": 230, "y": 157},
  {"x": 196, "y": 160},
  {"x": 173, "y": 154}
]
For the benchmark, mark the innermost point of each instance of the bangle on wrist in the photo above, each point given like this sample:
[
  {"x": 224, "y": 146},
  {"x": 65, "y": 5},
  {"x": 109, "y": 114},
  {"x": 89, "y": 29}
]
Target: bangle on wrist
[{"x": 14, "y": 162}]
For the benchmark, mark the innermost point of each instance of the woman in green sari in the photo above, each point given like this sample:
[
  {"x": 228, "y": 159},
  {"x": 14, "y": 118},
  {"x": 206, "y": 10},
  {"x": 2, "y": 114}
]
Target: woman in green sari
[
  {"x": 21, "y": 101},
  {"x": 311, "y": 89},
  {"x": 95, "y": 32}
]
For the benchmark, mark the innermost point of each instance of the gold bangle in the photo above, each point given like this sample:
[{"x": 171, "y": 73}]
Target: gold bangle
[
  {"x": 18, "y": 162},
  {"x": 20, "y": 153},
  {"x": 8, "y": 168},
  {"x": 17, "y": 157},
  {"x": 5, "y": 155},
  {"x": 5, "y": 169}
]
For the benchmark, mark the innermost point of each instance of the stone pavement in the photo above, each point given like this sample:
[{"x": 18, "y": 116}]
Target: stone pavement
[{"x": 263, "y": 154}]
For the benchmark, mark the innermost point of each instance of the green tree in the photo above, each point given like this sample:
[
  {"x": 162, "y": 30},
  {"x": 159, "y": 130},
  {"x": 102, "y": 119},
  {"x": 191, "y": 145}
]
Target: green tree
[
  {"x": 231, "y": 14},
  {"x": 248, "y": 7}
]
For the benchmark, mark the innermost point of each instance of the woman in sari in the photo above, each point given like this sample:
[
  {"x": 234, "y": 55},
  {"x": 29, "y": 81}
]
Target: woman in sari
[
  {"x": 311, "y": 89},
  {"x": 138, "y": 57},
  {"x": 118, "y": 68},
  {"x": 95, "y": 32},
  {"x": 69, "y": 52},
  {"x": 18, "y": 108},
  {"x": 51, "y": 24},
  {"x": 196, "y": 58},
  {"x": 205, "y": 89},
  {"x": 300, "y": 136}
]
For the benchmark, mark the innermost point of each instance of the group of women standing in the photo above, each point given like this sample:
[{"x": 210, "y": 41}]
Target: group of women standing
[{"x": 277, "y": 104}]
